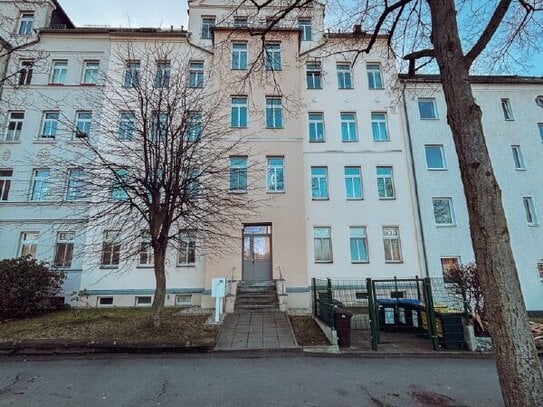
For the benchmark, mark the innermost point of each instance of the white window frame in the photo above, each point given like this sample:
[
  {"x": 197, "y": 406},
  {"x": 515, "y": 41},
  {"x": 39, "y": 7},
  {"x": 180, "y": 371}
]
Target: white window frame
[
  {"x": 381, "y": 120},
  {"x": 6, "y": 175},
  {"x": 75, "y": 184},
  {"x": 14, "y": 127},
  {"x": 240, "y": 56},
  {"x": 59, "y": 72},
  {"x": 507, "y": 109},
  {"x": 353, "y": 235},
  {"x": 344, "y": 71},
  {"x": 196, "y": 74},
  {"x": 325, "y": 236},
  {"x": 118, "y": 189},
  {"x": 388, "y": 238},
  {"x": 137, "y": 299},
  {"x": 434, "y": 107},
  {"x": 540, "y": 127},
  {"x": 443, "y": 158},
  {"x": 179, "y": 303},
  {"x": 273, "y": 56},
  {"x": 540, "y": 269},
  {"x": 127, "y": 123},
  {"x": 26, "y": 71},
  {"x": 317, "y": 179},
  {"x": 99, "y": 301},
  {"x": 518, "y": 158},
  {"x": 348, "y": 119},
  {"x": 65, "y": 240},
  {"x": 352, "y": 179},
  {"x": 304, "y": 24},
  {"x": 444, "y": 268},
  {"x": 207, "y": 23},
  {"x": 26, "y": 23},
  {"x": 146, "y": 254},
  {"x": 83, "y": 123},
  {"x": 131, "y": 77},
  {"x": 39, "y": 188},
  {"x": 187, "y": 248},
  {"x": 313, "y": 124},
  {"x": 386, "y": 178},
  {"x": 274, "y": 110},
  {"x": 273, "y": 172},
  {"x": 163, "y": 74},
  {"x": 375, "y": 76},
  {"x": 450, "y": 213},
  {"x": 313, "y": 72},
  {"x": 30, "y": 239},
  {"x": 241, "y": 22},
  {"x": 238, "y": 169},
  {"x": 530, "y": 210},
  {"x": 238, "y": 105},
  {"x": 91, "y": 69},
  {"x": 111, "y": 245},
  {"x": 49, "y": 126}
]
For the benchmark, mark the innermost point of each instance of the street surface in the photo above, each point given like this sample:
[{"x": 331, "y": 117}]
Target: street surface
[{"x": 226, "y": 380}]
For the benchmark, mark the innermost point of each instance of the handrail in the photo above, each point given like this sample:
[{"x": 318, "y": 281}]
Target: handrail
[{"x": 282, "y": 291}]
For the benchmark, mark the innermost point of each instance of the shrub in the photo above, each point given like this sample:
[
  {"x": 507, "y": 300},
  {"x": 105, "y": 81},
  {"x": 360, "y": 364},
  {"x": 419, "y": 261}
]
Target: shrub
[{"x": 27, "y": 287}]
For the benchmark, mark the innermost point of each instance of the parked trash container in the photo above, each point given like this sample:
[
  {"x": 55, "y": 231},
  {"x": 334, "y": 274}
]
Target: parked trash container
[
  {"x": 450, "y": 329},
  {"x": 343, "y": 327}
]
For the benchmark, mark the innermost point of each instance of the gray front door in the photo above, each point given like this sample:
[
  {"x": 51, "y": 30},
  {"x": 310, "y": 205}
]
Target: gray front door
[{"x": 257, "y": 253}]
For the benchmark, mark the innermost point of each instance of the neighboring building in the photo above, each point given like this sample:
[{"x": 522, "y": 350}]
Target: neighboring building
[{"x": 512, "y": 121}]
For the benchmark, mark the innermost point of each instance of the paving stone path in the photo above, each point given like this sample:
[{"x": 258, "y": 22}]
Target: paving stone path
[{"x": 256, "y": 331}]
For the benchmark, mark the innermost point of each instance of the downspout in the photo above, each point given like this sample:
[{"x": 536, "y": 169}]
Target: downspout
[{"x": 412, "y": 161}]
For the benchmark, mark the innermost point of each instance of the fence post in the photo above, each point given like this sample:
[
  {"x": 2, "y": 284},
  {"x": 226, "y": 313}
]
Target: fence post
[
  {"x": 371, "y": 306},
  {"x": 314, "y": 292},
  {"x": 432, "y": 330},
  {"x": 418, "y": 287}
]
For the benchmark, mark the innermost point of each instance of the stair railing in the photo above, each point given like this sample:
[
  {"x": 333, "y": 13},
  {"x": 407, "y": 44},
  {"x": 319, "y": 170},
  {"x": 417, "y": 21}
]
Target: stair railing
[
  {"x": 281, "y": 279},
  {"x": 231, "y": 282}
]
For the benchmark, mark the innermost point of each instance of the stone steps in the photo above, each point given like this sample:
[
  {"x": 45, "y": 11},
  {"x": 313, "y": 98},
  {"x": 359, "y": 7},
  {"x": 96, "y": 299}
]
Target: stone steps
[{"x": 256, "y": 297}]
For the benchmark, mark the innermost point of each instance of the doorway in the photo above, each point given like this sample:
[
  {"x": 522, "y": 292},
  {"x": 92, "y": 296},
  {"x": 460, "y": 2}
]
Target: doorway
[{"x": 257, "y": 253}]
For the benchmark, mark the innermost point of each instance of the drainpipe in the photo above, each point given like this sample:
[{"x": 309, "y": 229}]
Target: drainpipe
[{"x": 419, "y": 217}]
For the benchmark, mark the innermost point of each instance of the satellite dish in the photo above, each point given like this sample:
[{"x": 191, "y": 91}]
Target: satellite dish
[{"x": 539, "y": 100}]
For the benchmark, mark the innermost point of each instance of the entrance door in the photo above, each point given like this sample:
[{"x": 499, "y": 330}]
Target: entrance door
[{"x": 257, "y": 254}]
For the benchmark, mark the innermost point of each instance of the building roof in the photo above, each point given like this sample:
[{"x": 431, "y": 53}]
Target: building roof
[{"x": 480, "y": 79}]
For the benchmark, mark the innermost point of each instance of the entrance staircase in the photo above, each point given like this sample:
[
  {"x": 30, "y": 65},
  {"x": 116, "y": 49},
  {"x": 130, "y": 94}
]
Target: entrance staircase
[{"x": 256, "y": 296}]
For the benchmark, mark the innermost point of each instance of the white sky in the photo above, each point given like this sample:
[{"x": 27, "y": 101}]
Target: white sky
[{"x": 127, "y": 13}]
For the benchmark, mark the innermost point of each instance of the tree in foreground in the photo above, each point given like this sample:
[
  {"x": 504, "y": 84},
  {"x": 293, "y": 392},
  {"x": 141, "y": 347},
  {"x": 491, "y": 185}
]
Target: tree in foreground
[
  {"x": 439, "y": 31},
  {"x": 157, "y": 163}
]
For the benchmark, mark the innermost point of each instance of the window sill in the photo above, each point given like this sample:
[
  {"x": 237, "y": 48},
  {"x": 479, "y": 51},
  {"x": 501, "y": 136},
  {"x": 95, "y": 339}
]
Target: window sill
[
  {"x": 44, "y": 141},
  {"x": 392, "y": 198},
  {"x": 354, "y": 199},
  {"x": 349, "y": 141},
  {"x": 381, "y": 141},
  {"x": 314, "y": 88},
  {"x": 324, "y": 262},
  {"x": 10, "y": 141},
  {"x": 393, "y": 261},
  {"x": 317, "y": 141},
  {"x": 429, "y": 118},
  {"x": 533, "y": 225},
  {"x": 239, "y": 127},
  {"x": 276, "y": 192},
  {"x": 109, "y": 267},
  {"x": 186, "y": 266},
  {"x": 55, "y": 84},
  {"x": 274, "y": 128},
  {"x": 237, "y": 192},
  {"x": 239, "y": 69},
  {"x": 375, "y": 88},
  {"x": 145, "y": 266},
  {"x": 436, "y": 169},
  {"x": 320, "y": 199},
  {"x": 361, "y": 262},
  {"x": 445, "y": 225},
  {"x": 345, "y": 88},
  {"x": 521, "y": 169}
]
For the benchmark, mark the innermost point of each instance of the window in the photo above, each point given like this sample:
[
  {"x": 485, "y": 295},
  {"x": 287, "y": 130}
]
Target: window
[
  {"x": 540, "y": 126},
  {"x": 319, "y": 182},
  {"x": 344, "y": 79},
  {"x": 90, "y": 72},
  {"x": 144, "y": 301},
  {"x": 274, "y": 113},
  {"x": 240, "y": 22},
  {"x": 60, "y": 70},
  {"x": 118, "y": 191},
  {"x": 314, "y": 75},
  {"x": 194, "y": 126},
  {"x": 435, "y": 157},
  {"x": 529, "y": 207},
  {"x": 448, "y": 264},
  {"x": 239, "y": 55},
  {"x": 379, "y": 127},
  {"x": 146, "y": 252},
  {"x": 26, "y": 23},
  {"x": 316, "y": 127},
  {"x": 75, "y": 187},
  {"x": 518, "y": 158},
  {"x": 162, "y": 76},
  {"x": 375, "y": 80},
  {"x": 183, "y": 300},
  {"x": 207, "y": 24},
  {"x": 238, "y": 115},
  {"x": 359, "y": 244},
  {"x": 126, "y": 126},
  {"x": 322, "y": 239},
  {"x": 159, "y": 126},
  {"x": 64, "y": 250},
  {"x": 192, "y": 183},
  {"x": 83, "y": 124},
  {"x": 196, "y": 74},
  {"x": 348, "y": 127},
  {"x": 273, "y": 56},
  {"x": 186, "y": 255},
  {"x": 49, "y": 125},
  {"x": 132, "y": 74},
  {"x": 443, "y": 211},
  {"x": 540, "y": 270},
  {"x": 105, "y": 301},
  {"x": 304, "y": 24},
  {"x": 275, "y": 178},
  {"x": 427, "y": 108},
  {"x": 385, "y": 183},
  {"x": 25, "y": 73},
  {"x": 40, "y": 185},
  {"x": 29, "y": 244},
  {"x": 111, "y": 248},
  {"x": 391, "y": 241},
  {"x": 5, "y": 184},
  {"x": 238, "y": 174},
  {"x": 15, "y": 126},
  {"x": 353, "y": 182},
  {"x": 507, "y": 110}
]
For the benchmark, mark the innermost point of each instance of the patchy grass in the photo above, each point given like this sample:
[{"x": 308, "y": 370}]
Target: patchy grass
[
  {"x": 126, "y": 326},
  {"x": 307, "y": 331},
  {"x": 539, "y": 320}
]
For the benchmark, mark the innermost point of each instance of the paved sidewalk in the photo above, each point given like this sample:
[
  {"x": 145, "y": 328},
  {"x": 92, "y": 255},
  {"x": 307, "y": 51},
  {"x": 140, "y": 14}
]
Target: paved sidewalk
[{"x": 256, "y": 331}]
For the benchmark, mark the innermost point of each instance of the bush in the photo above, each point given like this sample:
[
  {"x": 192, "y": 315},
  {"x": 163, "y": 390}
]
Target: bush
[{"x": 27, "y": 287}]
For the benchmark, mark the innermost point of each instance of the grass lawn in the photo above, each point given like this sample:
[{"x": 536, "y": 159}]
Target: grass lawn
[{"x": 126, "y": 326}]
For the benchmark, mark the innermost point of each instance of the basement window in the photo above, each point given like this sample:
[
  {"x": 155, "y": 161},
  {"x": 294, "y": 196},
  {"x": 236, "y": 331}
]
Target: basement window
[
  {"x": 143, "y": 301},
  {"x": 105, "y": 301},
  {"x": 183, "y": 300}
]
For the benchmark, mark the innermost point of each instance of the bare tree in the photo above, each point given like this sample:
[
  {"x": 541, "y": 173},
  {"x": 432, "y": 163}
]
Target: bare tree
[
  {"x": 155, "y": 162},
  {"x": 440, "y": 31}
]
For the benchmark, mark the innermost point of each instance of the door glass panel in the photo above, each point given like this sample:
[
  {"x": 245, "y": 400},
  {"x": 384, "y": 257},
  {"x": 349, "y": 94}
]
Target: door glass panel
[
  {"x": 261, "y": 248},
  {"x": 257, "y": 230},
  {"x": 246, "y": 248}
]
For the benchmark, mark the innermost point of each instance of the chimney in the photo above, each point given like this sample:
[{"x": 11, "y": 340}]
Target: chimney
[{"x": 357, "y": 29}]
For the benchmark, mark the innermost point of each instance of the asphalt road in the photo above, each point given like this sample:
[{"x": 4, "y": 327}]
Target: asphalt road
[{"x": 278, "y": 380}]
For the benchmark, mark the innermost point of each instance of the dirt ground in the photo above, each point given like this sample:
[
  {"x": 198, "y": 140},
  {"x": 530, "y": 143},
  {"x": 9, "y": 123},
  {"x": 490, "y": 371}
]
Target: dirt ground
[{"x": 307, "y": 331}]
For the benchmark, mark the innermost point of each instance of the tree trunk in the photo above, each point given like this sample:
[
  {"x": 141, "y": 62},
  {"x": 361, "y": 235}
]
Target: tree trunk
[
  {"x": 160, "y": 278},
  {"x": 517, "y": 362}
]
